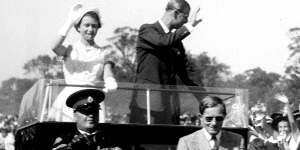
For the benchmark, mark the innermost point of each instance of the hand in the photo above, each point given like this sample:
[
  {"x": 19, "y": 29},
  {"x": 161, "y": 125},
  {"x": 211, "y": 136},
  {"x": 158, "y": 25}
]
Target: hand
[
  {"x": 110, "y": 84},
  {"x": 75, "y": 13},
  {"x": 286, "y": 145},
  {"x": 77, "y": 138},
  {"x": 73, "y": 17},
  {"x": 282, "y": 98},
  {"x": 81, "y": 139},
  {"x": 61, "y": 147},
  {"x": 193, "y": 20}
]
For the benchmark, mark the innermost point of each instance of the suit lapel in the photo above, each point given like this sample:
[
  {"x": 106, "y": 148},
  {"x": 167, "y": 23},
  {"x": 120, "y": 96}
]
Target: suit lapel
[
  {"x": 195, "y": 144},
  {"x": 159, "y": 27},
  {"x": 222, "y": 141},
  {"x": 200, "y": 142}
]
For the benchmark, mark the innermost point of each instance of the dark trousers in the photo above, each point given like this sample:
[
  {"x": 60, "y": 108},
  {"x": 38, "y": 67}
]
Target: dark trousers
[
  {"x": 165, "y": 106},
  {"x": 139, "y": 115},
  {"x": 169, "y": 115}
]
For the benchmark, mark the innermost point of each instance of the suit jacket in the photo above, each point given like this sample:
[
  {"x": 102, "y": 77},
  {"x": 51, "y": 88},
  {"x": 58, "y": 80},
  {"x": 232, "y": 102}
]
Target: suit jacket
[
  {"x": 160, "y": 57},
  {"x": 198, "y": 141}
]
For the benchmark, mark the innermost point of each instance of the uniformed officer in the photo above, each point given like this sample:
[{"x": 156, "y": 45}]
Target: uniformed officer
[{"x": 85, "y": 104}]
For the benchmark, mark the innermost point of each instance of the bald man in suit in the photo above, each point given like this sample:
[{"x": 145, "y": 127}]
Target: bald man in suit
[{"x": 160, "y": 58}]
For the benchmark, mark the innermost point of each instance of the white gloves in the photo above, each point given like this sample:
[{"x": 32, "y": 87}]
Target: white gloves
[
  {"x": 74, "y": 15},
  {"x": 282, "y": 98},
  {"x": 110, "y": 84}
]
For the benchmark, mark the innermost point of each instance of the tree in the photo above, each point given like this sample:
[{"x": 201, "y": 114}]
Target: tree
[
  {"x": 12, "y": 91},
  {"x": 292, "y": 71},
  {"x": 262, "y": 86},
  {"x": 237, "y": 81},
  {"x": 206, "y": 69},
  {"x": 292, "y": 89},
  {"x": 260, "y": 78},
  {"x": 44, "y": 67},
  {"x": 123, "y": 50}
]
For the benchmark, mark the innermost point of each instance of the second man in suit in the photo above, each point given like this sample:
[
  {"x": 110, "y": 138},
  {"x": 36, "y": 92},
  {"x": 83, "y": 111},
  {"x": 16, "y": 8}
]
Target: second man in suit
[
  {"x": 160, "y": 58},
  {"x": 211, "y": 136}
]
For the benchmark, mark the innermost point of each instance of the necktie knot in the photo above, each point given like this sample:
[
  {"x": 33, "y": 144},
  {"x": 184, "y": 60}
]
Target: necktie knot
[{"x": 213, "y": 137}]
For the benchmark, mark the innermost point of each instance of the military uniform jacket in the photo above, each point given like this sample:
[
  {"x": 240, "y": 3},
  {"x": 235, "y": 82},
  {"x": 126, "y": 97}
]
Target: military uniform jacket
[{"x": 67, "y": 138}]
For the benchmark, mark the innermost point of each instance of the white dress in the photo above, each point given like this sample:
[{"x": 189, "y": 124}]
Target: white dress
[{"x": 83, "y": 65}]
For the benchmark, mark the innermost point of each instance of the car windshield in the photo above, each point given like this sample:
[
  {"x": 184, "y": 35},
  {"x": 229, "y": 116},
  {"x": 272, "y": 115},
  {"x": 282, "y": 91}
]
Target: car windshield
[{"x": 37, "y": 102}]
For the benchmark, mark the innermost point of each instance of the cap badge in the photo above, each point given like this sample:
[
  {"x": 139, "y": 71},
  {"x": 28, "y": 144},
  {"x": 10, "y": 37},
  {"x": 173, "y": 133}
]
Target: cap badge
[{"x": 90, "y": 99}]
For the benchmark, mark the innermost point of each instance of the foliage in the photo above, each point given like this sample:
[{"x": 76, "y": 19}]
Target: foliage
[
  {"x": 292, "y": 89},
  {"x": 12, "y": 91},
  {"x": 43, "y": 67},
  {"x": 123, "y": 50},
  {"x": 292, "y": 71},
  {"x": 207, "y": 70},
  {"x": 237, "y": 81},
  {"x": 262, "y": 86}
]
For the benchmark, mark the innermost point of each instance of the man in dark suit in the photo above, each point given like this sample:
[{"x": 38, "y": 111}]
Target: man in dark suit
[
  {"x": 85, "y": 104},
  {"x": 160, "y": 58},
  {"x": 211, "y": 136}
]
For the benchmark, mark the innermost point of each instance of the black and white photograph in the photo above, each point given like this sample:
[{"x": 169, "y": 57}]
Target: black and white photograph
[{"x": 150, "y": 75}]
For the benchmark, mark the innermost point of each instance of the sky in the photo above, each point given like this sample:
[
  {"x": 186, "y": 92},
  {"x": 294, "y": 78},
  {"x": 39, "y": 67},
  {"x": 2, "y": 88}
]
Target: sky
[{"x": 242, "y": 34}]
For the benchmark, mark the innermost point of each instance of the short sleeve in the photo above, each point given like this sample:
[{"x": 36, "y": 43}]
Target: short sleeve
[
  {"x": 109, "y": 57},
  {"x": 64, "y": 50}
]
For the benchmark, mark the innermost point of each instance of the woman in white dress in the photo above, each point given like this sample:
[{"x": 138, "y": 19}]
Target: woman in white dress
[{"x": 85, "y": 63}]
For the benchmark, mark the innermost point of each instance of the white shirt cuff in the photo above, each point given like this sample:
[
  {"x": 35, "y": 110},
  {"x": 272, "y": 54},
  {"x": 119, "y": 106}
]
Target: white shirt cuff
[{"x": 189, "y": 27}]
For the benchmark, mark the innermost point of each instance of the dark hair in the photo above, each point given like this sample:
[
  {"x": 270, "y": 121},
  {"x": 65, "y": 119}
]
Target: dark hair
[
  {"x": 180, "y": 5},
  {"x": 281, "y": 119},
  {"x": 211, "y": 101},
  {"x": 91, "y": 14}
]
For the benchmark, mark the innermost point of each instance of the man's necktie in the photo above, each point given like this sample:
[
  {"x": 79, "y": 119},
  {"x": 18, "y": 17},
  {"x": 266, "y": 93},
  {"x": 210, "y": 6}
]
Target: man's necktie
[{"x": 214, "y": 143}]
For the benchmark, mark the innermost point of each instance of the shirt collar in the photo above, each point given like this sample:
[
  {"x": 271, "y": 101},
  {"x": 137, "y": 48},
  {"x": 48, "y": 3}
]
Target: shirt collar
[
  {"x": 208, "y": 136},
  {"x": 163, "y": 25},
  {"x": 84, "y": 132}
]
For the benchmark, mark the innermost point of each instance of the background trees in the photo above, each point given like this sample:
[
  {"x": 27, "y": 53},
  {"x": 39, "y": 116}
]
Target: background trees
[
  {"x": 292, "y": 72},
  {"x": 13, "y": 89},
  {"x": 123, "y": 45},
  {"x": 44, "y": 66},
  {"x": 208, "y": 70}
]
